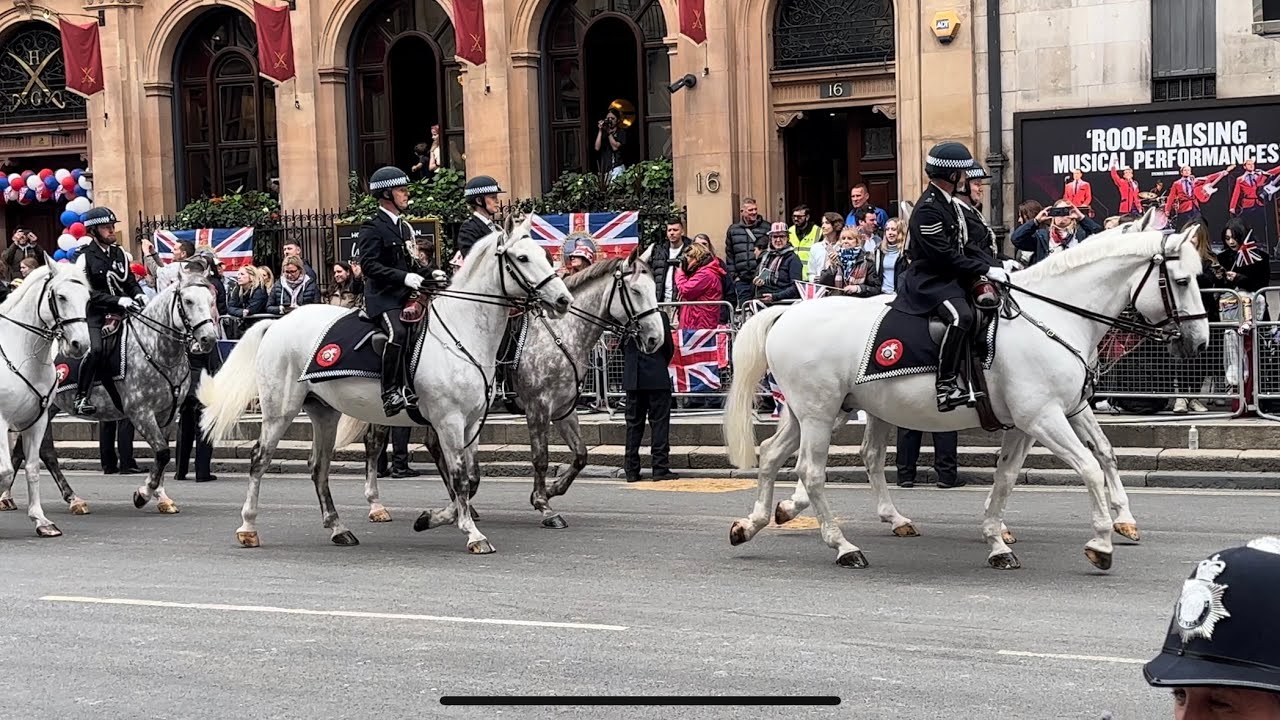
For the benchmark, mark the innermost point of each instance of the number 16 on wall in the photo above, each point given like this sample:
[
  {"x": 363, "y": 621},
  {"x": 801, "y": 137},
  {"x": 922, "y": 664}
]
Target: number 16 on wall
[{"x": 710, "y": 182}]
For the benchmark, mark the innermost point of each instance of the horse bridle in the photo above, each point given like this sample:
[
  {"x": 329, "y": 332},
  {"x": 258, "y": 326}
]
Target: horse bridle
[
  {"x": 186, "y": 338},
  {"x": 54, "y": 332}
]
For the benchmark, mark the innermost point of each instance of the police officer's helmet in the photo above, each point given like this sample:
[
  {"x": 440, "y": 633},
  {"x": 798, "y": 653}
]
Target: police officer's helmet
[
  {"x": 1225, "y": 629},
  {"x": 98, "y": 217},
  {"x": 384, "y": 179},
  {"x": 480, "y": 186},
  {"x": 945, "y": 159}
]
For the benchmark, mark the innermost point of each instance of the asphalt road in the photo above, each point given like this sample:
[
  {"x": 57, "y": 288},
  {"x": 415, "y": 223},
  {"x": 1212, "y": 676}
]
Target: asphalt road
[{"x": 645, "y": 593}]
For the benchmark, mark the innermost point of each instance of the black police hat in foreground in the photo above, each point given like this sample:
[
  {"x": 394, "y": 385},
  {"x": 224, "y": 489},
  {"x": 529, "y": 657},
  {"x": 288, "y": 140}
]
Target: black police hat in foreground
[{"x": 1226, "y": 625}]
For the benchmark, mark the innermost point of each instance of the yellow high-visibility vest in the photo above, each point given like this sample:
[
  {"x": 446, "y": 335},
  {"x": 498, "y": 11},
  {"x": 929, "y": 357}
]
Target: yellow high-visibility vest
[{"x": 802, "y": 245}]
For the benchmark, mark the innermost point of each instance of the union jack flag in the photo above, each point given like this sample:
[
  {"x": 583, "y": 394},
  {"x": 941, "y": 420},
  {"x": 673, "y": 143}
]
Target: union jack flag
[
  {"x": 775, "y": 391},
  {"x": 615, "y": 234},
  {"x": 233, "y": 246},
  {"x": 810, "y": 291},
  {"x": 695, "y": 366},
  {"x": 1247, "y": 253}
]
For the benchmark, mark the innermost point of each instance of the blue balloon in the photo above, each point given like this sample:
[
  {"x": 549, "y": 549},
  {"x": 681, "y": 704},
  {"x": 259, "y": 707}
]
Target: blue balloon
[
  {"x": 4, "y": 183},
  {"x": 51, "y": 182},
  {"x": 77, "y": 173},
  {"x": 81, "y": 192},
  {"x": 69, "y": 218},
  {"x": 29, "y": 194},
  {"x": 60, "y": 254}
]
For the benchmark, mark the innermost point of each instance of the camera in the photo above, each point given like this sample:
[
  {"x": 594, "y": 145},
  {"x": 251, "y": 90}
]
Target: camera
[{"x": 1060, "y": 212}]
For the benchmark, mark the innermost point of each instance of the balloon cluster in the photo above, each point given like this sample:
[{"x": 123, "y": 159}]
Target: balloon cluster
[{"x": 30, "y": 186}]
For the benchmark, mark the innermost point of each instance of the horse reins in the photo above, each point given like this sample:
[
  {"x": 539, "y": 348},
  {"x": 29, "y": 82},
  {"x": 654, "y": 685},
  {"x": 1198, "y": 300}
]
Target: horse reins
[
  {"x": 51, "y": 334},
  {"x": 185, "y": 338}
]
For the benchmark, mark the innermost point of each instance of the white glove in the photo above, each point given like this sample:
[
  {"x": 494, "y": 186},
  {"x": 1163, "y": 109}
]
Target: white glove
[
  {"x": 438, "y": 276},
  {"x": 140, "y": 301},
  {"x": 997, "y": 275},
  {"x": 1012, "y": 265},
  {"x": 413, "y": 281},
  {"x": 126, "y": 303}
]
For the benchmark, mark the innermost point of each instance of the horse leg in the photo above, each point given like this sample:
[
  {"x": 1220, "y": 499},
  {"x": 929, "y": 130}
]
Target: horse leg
[
  {"x": 432, "y": 442},
  {"x": 11, "y": 456},
  {"x": 1014, "y": 447},
  {"x": 30, "y": 439},
  {"x": 273, "y": 429},
  {"x": 538, "y": 432},
  {"x": 1090, "y": 433},
  {"x": 49, "y": 456},
  {"x": 324, "y": 428},
  {"x": 447, "y": 515},
  {"x": 149, "y": 429},
  {"x": 1053, "y": 430},
  {"x": 875, "y": 447},
  {"x": 811, "y": 466},
  {"x": 774, "y": 451},
  {"x": 790, "y": 509},
  {"x": 374, "y": 440},
  {"x": 461, "y": 465}
]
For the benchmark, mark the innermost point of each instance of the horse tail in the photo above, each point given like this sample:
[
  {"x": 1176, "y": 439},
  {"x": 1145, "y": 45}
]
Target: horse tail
[
  {"x": 226, "y": 396},
  {"x": 749, "y": 367},
  {"x": 349, "y": 430}
]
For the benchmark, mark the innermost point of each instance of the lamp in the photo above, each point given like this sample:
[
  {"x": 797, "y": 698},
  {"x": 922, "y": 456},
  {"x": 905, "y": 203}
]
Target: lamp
[{"x": 688, "y": 81}]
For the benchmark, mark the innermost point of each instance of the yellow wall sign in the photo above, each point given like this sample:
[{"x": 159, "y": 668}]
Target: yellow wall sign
[{"x": 946, "y": 24}]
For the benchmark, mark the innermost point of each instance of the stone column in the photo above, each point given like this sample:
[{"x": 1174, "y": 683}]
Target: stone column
[
  {"x": 486, "y": 100},
  {"x": 525, "y": 126},
  {"x": 296, "y": 118},
  {"x": 157, "y": 122},
  {"x": 948, "y": 81},
  {"x": 333, "y": 153}
]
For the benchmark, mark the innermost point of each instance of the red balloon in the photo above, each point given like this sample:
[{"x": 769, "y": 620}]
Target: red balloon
[
  {"x": 45, "y": 173},
  {"x": 68, "y": 183},
  {"x": 77, "y": 230}
]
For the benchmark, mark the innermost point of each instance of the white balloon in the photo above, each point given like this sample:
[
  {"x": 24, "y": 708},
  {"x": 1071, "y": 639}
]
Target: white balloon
[
  {"x": 34, "y": 182},
  {"x": 85, "y": 183},
  {"x": 66, "y": 241},
  {"x": 80, "y": 205},
  {"x": 89, "y": 194},
  {"x": 82, "y": 241},
  {"x": 62, "y": 174}
]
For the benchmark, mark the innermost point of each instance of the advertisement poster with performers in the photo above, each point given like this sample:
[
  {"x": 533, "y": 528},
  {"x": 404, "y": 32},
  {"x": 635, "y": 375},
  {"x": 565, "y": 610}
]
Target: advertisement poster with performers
[{"x": 1218, "y": 160}]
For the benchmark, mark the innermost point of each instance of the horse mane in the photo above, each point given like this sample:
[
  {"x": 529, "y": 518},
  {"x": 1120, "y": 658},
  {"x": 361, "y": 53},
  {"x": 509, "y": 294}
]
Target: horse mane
[
  {"x": 1104, "y": 245},
  {"x": 594, "y": 271},
  {"x": 16, "y": 297}
]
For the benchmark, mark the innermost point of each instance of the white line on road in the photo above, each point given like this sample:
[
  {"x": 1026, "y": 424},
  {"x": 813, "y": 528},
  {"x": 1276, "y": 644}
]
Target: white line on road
[
  {"x": 329, "y": 613},
  {"x": 1086, "y": 658}
]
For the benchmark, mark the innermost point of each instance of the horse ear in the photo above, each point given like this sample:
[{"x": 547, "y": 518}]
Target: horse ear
[
  {"x": 904, "y": 210},
  {"x": 648, "y": 252},
  {"x": 1144, "y": 222}
]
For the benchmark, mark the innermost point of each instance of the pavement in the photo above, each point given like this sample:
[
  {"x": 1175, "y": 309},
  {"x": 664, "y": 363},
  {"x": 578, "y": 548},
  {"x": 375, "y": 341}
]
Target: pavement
[{"x": 134, "y": 614}]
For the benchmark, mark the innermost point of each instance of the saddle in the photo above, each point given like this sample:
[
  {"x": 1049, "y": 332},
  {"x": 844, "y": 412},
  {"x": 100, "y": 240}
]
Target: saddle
[
  {"x": 111, "y": 324},
  {"x": 352, "y": 345}
]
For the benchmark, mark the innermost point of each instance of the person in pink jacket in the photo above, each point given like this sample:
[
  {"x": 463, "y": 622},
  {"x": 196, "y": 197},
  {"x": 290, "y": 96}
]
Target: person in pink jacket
[{"x": 699, "y": 279}]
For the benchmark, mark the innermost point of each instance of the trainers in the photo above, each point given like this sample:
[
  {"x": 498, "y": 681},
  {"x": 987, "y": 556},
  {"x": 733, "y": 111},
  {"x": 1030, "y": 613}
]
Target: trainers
[
  {"x": 1180, "y": 406},
  {"x": 1197, "y": 406}
]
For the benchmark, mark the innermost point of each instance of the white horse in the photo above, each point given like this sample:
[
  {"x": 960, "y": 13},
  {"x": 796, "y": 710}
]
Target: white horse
[
  {"x": 453, "y": 379},
  {"x": 49, "y": 306},
  {"x": 1045, "y": 356}
]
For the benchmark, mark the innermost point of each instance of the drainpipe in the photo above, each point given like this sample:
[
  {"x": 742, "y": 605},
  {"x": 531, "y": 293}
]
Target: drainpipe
[{"x": 996, "y": 159}]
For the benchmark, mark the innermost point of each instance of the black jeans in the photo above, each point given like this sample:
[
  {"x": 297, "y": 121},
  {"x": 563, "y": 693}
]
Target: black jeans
[
  {"x": 944, "y": 455},
  {"x": 89, "y": 365},
  {"x": 115, "y": 445},
  {"x": 189, "y": 431},
  {"x": 399, "y": 440},
  {"x": 656, "y": 405}
]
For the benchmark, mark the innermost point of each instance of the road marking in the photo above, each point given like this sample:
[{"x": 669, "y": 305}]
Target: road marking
[
  {"x": 1086, "y": 658},
  {"x": 329, "y": 613}
]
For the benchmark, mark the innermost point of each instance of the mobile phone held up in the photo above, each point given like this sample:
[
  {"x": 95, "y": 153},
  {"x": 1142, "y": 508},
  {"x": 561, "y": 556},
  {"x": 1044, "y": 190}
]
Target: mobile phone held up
[{"x": 1059, "y": 212}]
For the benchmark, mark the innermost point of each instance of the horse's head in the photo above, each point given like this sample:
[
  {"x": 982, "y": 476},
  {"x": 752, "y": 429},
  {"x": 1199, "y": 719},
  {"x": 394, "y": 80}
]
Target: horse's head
[
  {"x": 65, "y": 308},
  {"x": 526, "y": 270},
  {"x": 637, "y": 302},
  {"x": 1168, "y": 294},
  {"x": 191, "y": 311}
]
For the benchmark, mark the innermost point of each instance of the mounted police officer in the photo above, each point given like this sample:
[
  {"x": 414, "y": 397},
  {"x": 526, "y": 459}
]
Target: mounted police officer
[
  {"x": 481, "y": 194},
  {"x": 945, "y": 263},
  {"x": 389, "y": 279},
  {"x": 112, "y": 290}
]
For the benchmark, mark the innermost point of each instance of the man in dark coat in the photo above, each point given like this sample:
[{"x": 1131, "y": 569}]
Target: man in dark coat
[
  {"x": 481, "y": 194},
  {"x": 944, "y": 265},
  {"x": 665, "y": 258},
  {"x": 389, "y": 280},
  {"x": 112, "y": 289},
  {"x": 648, "y": 386},
  {"x": 740, "y": 244}
]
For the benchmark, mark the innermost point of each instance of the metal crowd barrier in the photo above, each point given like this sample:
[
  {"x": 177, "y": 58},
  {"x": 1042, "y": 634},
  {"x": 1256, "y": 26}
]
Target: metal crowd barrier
[{"x": 1265, "y": 356}]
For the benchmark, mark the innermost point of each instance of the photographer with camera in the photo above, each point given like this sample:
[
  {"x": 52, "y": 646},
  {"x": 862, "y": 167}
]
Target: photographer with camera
[
  {"x": 1052, "y": 229},
  {"x": 21, "y": 246},
  {"x": 610, "y": 137}
]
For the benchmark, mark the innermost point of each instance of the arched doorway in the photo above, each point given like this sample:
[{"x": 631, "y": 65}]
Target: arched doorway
[
  {"x": 404, "y": 79},
  {"x": 226, "y": 112},
  {"x": 597, "y": 51}
]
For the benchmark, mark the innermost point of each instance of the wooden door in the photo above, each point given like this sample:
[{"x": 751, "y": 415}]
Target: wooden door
[{"x": 873, "y": 149}]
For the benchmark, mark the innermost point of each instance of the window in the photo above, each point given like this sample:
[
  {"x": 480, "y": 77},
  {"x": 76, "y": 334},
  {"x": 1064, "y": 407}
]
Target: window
[
  {"x": 817, "y": 33},
  {"x": 1270, "y": 10},
  {"x": 1183, "y": 49},
  {"x": 226, "y": 111},
  {"x": 33, "y": 78}
]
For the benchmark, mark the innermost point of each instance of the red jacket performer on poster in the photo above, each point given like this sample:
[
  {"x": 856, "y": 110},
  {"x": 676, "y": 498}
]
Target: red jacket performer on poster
[
  {"x": 1245, "y": 196},
  {"x": 1130, "y": 201},
  {"x": 1078, "y": 192},
  {"x": 1189, "y": 191}
]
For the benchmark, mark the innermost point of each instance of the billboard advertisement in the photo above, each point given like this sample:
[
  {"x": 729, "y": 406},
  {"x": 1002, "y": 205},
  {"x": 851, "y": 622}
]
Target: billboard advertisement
[{"x": 1217, "y": 159}]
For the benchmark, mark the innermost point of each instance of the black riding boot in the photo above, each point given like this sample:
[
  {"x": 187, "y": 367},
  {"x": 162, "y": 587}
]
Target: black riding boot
[
  {"x": 950, "y": 395},
  {"x": 393, "y": 400}
]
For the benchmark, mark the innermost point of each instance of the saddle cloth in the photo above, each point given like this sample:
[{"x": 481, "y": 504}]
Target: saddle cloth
[
  {"x": 902, "y": 344},
  {"x": 68, "y": 369},
  {"x": 352, "y": 347}
]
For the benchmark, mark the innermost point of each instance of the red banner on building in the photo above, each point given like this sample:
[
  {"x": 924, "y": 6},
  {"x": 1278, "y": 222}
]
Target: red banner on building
[
  {"x": 275, "y": 42},
  {"x": 468, "y": 24},
  {"x": 82, "y": 51},
  {"x": 693, "y": 20}
]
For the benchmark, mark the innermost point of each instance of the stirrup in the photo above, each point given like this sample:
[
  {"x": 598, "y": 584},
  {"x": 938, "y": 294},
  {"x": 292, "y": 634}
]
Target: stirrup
[
  {"x": 393, "y": 403},
  {"x": 410, "y": 397},
  {"x": 82, "y": 406}
]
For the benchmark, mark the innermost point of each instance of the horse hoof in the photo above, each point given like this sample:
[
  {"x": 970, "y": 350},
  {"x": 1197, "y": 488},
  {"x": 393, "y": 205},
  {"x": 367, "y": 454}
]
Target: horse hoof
[
  {"x": 8, "y": 504},
  {"x": 907, "y": 530},
  {"x": 1128, "y": 530},
  {"x": 738, "y": 533},
  {"x": 1004, "y": 561},
  {"x": 423, "y": 522},
  {"x": 555, "y": 522},
  {"x": 782, "y": 517},
  {"x": 139, "y": 501},
  {"x": 79, "y": 507},
  {"x": 345, "y": 539},
  {"x": 167, "y": 507},
  {"x": 48, "y": 531},
  {"x": 1098, "y": 559},
  {"x": 853, "y": 559},
  {"x": 379, "y": 516},
  {"x": 480, "y": 547},
  {"x": 1008, "y": 538},
  {"x": 247, "y": 539}
]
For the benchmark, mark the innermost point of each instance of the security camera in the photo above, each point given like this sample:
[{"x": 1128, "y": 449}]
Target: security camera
[{"x": 687, "y": 81}]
